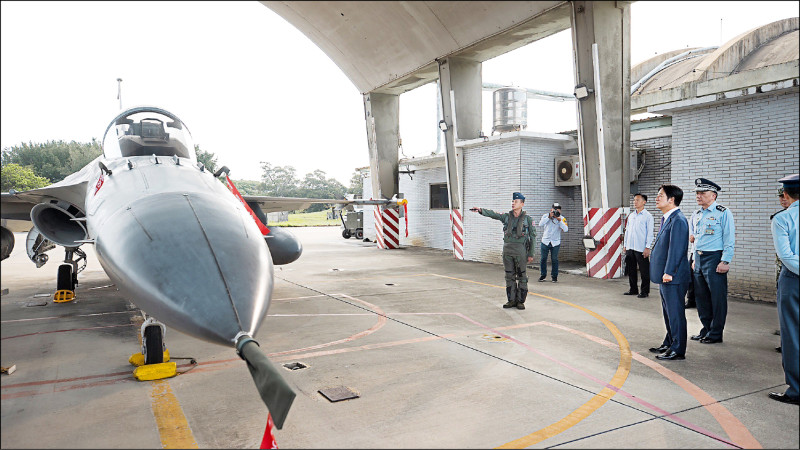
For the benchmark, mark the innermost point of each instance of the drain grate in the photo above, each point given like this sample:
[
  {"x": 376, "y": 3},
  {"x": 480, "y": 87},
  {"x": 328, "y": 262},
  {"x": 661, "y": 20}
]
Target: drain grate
[
  {"x": 29, "y": 304},
  {"x": 295, "y": 366},
  {"x": 338, "y": 394}
]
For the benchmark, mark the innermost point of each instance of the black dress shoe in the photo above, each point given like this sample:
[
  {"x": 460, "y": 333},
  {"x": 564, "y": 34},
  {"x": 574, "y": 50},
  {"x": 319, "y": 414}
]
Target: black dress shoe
[
  {"x": 630, "y": 293},
  {"x": 697, "y": 337},
  {"x": 661, "y": 349},
  {"x": 783, "y": 398},
  {"x": 708, "y": 340},
  {"x": 643, "y": 295},
  {"x": 670, "y": 356}
]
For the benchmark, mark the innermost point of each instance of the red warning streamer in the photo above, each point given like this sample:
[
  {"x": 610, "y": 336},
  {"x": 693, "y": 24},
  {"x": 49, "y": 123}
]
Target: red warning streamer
[
  {"x": 232, "y": 187},
  {"x": 269, "y": 439}
]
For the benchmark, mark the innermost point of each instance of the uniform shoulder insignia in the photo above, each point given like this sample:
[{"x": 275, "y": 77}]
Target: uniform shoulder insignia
[
  {"x": 721, "y": 208},
  {"x": 698, "y": 211}
]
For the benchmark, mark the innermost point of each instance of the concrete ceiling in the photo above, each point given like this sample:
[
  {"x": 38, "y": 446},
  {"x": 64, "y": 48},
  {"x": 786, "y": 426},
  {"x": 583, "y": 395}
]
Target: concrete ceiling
[{"x": 392, "y": 47}]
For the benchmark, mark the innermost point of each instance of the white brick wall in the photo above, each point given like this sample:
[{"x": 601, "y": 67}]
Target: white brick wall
[
  {"x": 426, "y": 227},
  {"x": 744, "y": 146},
  {"x": 493, "y": 171}
]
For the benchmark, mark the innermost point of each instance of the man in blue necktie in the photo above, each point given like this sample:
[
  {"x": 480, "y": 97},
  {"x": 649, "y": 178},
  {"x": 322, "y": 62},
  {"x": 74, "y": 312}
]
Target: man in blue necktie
[{"x": 669, "y": 268}]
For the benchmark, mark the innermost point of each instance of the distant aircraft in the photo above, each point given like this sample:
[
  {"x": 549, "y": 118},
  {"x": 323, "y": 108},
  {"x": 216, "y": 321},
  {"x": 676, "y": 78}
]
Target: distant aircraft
[{"x": 170, "y": 236}]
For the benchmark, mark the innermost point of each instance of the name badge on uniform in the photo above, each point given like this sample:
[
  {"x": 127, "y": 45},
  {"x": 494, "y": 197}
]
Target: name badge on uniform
[
  {"x": 712, "y": 218},
  {"x": 709, "y": 230}
]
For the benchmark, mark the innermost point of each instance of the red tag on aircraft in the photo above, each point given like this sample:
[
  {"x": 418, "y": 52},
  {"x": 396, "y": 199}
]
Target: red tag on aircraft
[
  {"x": 263, "y": 228},
  {"x": 99, "y": 183}
]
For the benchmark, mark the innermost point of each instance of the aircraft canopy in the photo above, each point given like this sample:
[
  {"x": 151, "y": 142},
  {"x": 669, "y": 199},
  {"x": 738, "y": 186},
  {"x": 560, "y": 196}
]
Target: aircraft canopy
[{"x": 144, "y": 131}]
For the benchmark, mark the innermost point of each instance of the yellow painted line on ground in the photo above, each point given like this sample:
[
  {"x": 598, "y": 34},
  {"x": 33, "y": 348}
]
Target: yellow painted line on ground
[
  {"x": 173, "y": 428},
  {"x": 585, "y": 410}
]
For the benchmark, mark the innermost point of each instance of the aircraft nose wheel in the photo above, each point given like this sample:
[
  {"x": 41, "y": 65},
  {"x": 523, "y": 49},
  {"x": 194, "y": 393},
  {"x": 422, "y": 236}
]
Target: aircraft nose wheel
[
  {"x": 153, "y": 344},
  {"x": 150, "y": 363}
]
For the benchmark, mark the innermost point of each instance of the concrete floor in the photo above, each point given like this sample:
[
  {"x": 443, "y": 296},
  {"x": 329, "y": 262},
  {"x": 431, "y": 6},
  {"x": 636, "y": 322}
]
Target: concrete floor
[{"x": 419, "y": 337}]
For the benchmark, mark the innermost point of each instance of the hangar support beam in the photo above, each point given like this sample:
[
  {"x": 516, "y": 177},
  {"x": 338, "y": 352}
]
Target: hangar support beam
[
  {"x": 460, "y": 88},
  {"x": 601, "y": 48},
  {"x": 382, "y": 114}
]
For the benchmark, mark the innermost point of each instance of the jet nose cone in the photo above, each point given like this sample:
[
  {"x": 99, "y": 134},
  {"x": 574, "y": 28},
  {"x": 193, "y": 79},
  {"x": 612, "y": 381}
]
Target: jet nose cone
[{"x": 194, "y": 261}]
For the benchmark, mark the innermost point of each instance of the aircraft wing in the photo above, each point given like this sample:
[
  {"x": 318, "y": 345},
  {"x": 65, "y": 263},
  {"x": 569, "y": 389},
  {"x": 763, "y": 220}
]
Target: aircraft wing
[
  {"x": 273, "y": 204},
  {"x": 72, "y": 189}
]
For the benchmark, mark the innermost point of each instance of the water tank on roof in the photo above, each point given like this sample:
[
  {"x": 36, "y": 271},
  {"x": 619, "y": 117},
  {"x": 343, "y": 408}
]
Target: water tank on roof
[{"x": 510, "y": 110}]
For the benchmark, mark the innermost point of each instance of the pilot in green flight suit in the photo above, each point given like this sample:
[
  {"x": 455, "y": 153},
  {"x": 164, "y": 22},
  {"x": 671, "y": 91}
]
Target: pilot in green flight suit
[{"x": 518, "y": 236}]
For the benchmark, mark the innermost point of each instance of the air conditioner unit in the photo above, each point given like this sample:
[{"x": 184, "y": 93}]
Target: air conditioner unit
[{"x": 568, "y": 170}]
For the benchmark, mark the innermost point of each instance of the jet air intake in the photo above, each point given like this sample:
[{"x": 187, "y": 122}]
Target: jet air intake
[{"x": 59, "y": 223}]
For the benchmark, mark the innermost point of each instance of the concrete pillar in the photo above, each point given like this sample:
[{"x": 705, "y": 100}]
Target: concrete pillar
[
  {"x": 601, "y": 50},
  {"x": 382, "y": 115},
  {"x": 460, "y": 87}
]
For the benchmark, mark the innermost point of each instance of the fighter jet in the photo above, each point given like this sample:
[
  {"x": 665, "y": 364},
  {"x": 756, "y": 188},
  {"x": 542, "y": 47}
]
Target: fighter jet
[{"x": 176, "y": 241}]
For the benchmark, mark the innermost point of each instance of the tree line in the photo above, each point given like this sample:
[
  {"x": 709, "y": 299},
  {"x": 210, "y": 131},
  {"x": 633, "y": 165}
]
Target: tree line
[{"x": 34, "y": 165}]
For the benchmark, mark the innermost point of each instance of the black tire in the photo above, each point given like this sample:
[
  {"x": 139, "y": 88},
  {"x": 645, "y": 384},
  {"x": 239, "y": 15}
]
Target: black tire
[
  {"x": 64, "y": 280},
  {"x": 346, "y": 233},
  {"x": 153, "y": 345},
  {"x": 359, "y": 233}
]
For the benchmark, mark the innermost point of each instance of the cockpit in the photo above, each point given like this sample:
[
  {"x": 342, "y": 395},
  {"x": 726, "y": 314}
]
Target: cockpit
[{"x": 146, "y": 130}]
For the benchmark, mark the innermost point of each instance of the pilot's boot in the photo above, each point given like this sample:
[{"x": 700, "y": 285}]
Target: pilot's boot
[
  {"x": 511, "y": 293},
  {"x": 521, "y": 298}
]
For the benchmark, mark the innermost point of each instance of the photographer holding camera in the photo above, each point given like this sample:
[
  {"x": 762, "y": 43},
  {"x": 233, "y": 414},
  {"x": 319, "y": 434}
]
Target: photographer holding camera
[{"x": 554, "y": 223}]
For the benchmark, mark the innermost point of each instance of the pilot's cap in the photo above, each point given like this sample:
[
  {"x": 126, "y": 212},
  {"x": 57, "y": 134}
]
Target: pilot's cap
[
  {"x": 791, "y": 181},
  {"x": 518, "y": 196},
  {"x": 704, "y": 184}
]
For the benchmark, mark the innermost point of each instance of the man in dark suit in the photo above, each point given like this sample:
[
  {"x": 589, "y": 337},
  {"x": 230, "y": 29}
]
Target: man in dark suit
[{"x": 669, "y": 268}]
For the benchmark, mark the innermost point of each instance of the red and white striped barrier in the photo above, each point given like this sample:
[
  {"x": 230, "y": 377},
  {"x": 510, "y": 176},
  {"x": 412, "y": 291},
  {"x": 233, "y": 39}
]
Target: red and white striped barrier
[
  {"x": 457, "y": 225},
  {"x": 605, "y": 226},
  {"x": 387, "y": 227}
]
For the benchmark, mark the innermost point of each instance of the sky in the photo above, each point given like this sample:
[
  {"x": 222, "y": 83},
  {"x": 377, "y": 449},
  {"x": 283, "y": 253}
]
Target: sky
[{"x": 251, "y": 88}]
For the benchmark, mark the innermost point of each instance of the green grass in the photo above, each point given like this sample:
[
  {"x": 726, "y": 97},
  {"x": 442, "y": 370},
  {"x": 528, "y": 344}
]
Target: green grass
[{"x": 315, "y": 219}]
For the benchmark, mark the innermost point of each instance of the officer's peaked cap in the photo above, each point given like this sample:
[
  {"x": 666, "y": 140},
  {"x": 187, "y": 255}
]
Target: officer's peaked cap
[
  {"x": 518, "y": 196},
  {"x": 704, "y": 184},
  {"x": 790, "y": 181}
]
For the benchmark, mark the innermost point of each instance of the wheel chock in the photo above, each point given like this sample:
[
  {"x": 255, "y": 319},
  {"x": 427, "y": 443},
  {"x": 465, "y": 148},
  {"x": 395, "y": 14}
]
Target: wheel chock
[
  {"x": 8, "y": 370},
  {"x": 160, "y": 371},
  {"x": 63, "y": 296},
  {"x": 137, "y": 359}
]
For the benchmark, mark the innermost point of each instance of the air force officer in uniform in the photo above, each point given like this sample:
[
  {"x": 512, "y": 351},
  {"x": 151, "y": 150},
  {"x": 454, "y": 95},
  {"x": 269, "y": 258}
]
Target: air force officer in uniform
[
  {"x": 669, "y": 268},
  {"x": 712, "y": 232},
  {"x": 785, "y": 239}
]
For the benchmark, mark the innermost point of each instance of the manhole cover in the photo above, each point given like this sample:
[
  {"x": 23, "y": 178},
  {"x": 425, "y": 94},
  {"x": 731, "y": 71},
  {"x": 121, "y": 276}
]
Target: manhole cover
[
  {"x": 338, "y": 393},
  {"x": 295, "y": 366}
]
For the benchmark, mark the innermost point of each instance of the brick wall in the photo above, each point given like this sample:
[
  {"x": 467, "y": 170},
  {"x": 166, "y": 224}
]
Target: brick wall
[
  {"x": 426, "y": 227},
  {"x": 496, "y": 169},
  {"x": 745, "y": 146}
]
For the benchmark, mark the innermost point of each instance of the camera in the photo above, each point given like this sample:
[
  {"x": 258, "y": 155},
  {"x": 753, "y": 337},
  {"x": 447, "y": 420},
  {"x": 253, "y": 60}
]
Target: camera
[{"x": 556, "y": 213}]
